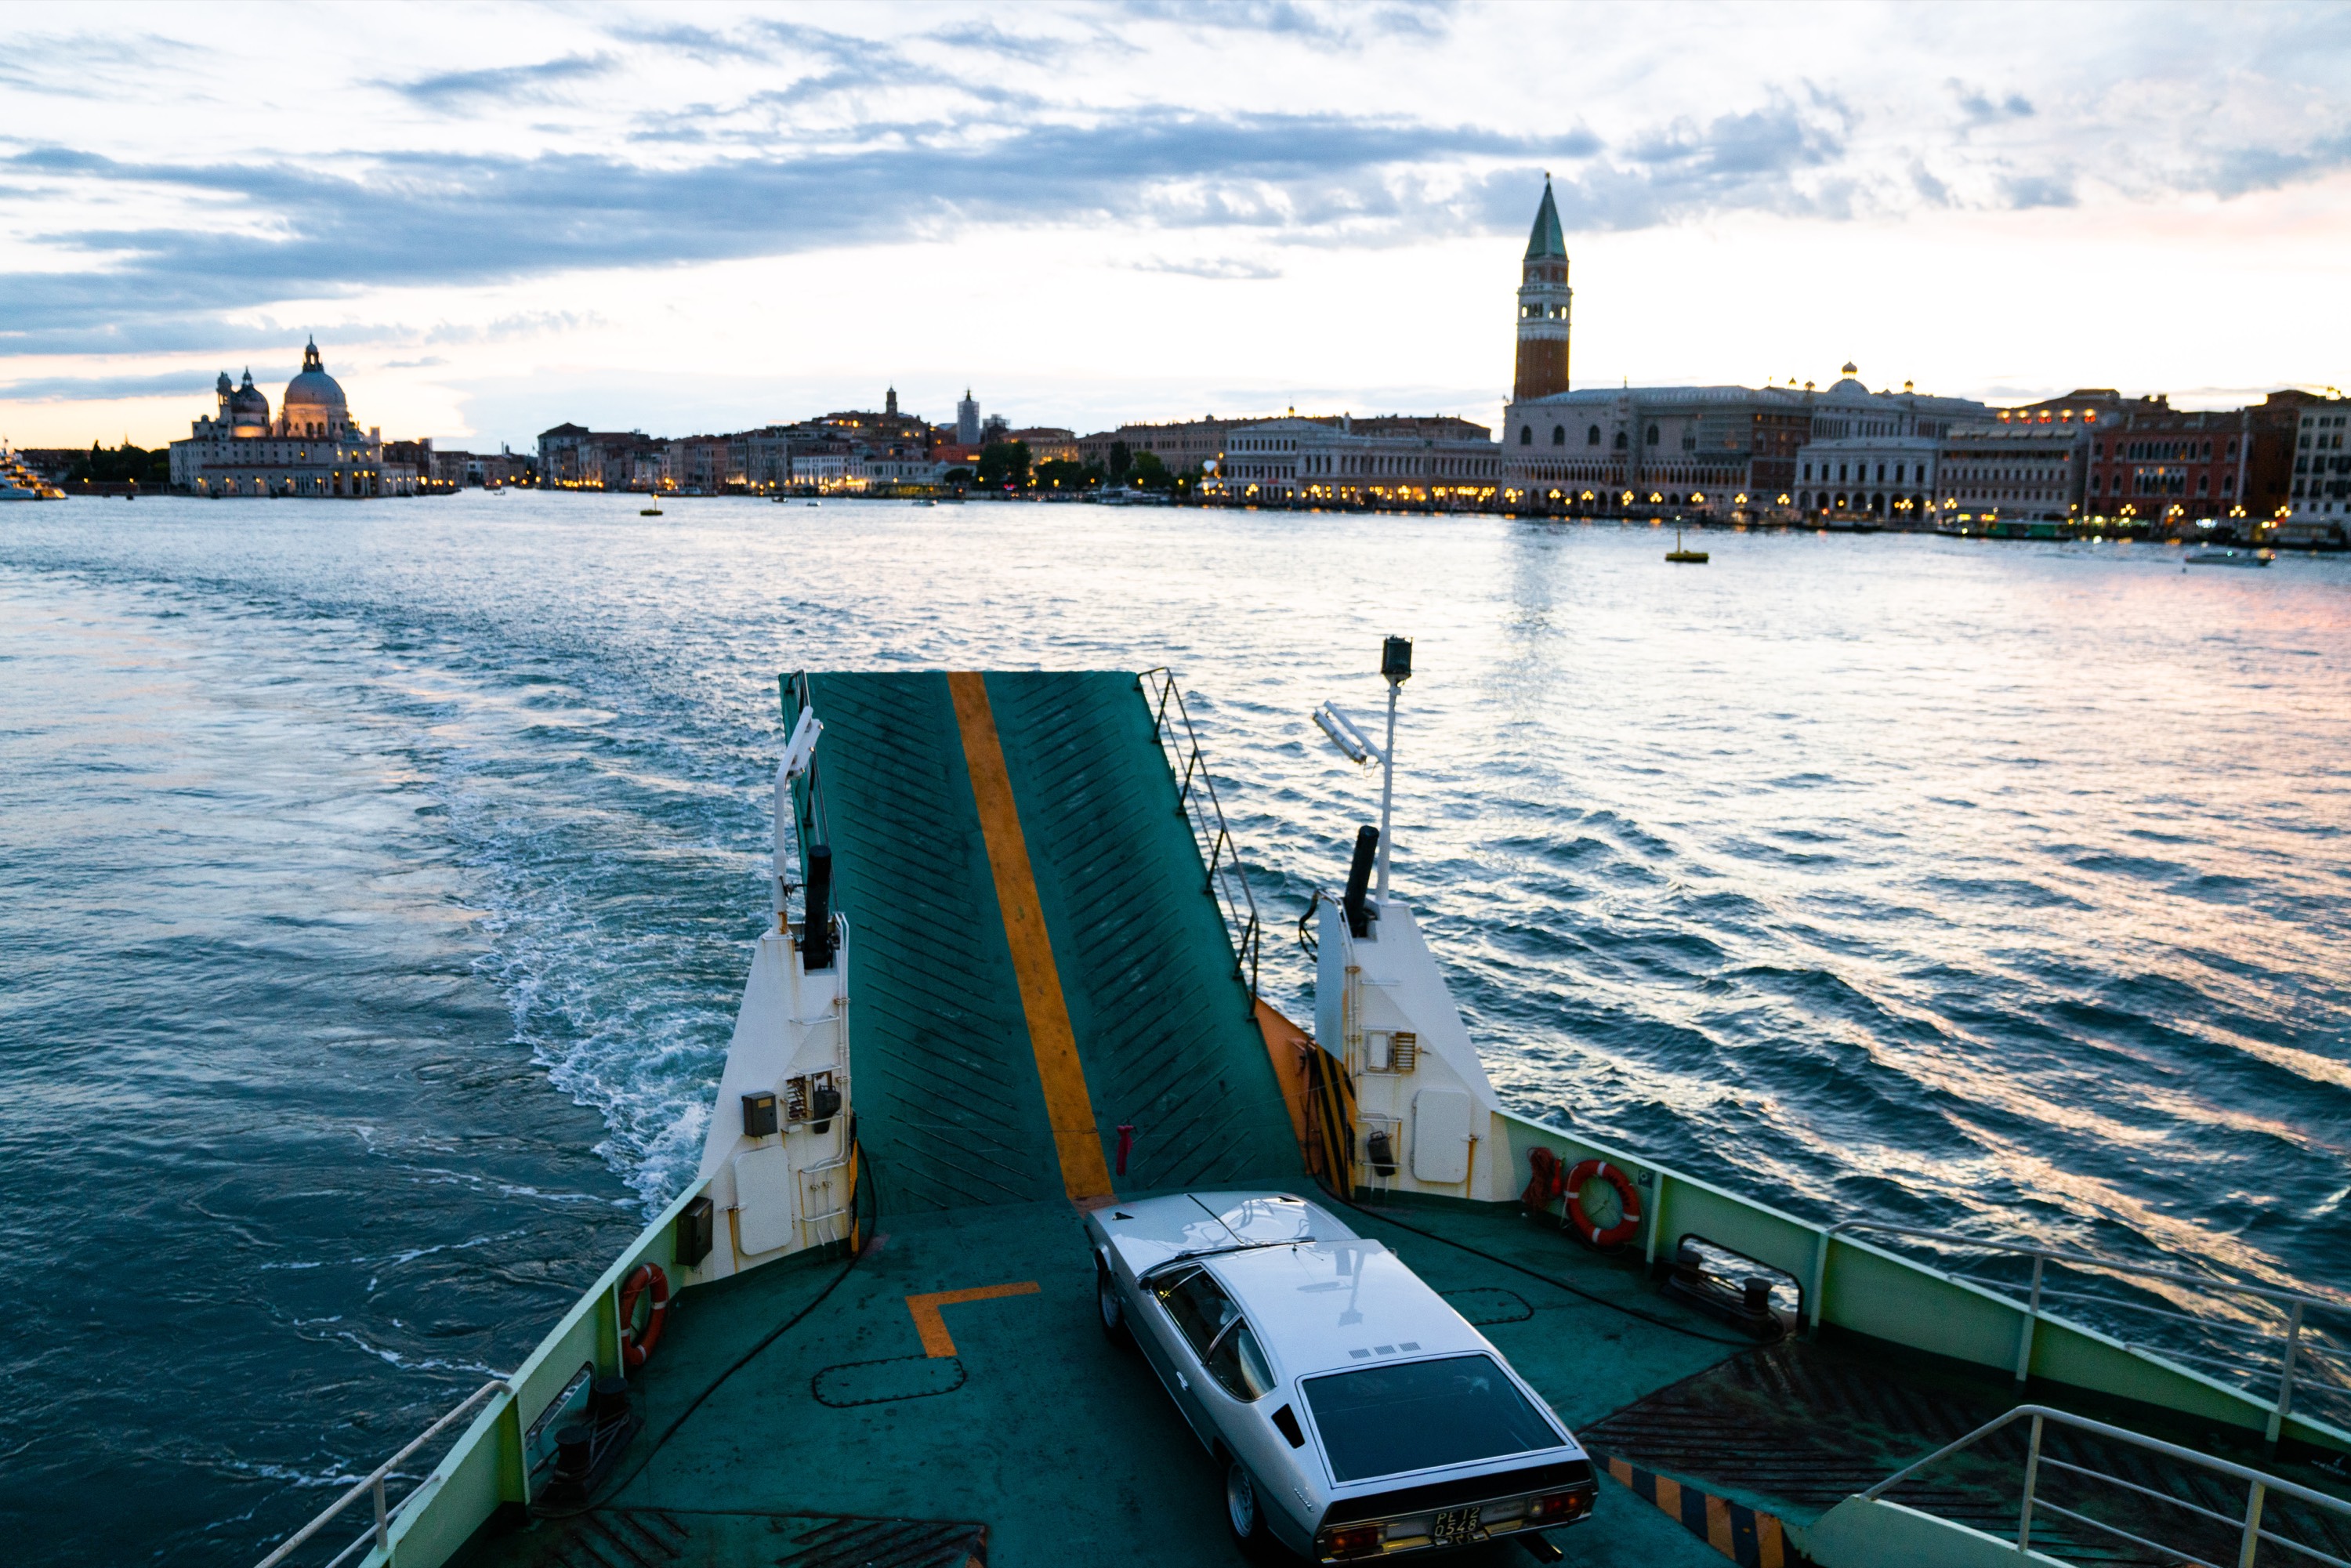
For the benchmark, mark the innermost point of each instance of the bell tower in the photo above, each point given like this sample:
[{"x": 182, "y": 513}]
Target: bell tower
[{"x": 1544, "y": 298}]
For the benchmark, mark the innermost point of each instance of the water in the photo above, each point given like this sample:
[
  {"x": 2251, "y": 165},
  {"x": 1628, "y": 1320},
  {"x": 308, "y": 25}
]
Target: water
[{"x": 378, "y": 880}]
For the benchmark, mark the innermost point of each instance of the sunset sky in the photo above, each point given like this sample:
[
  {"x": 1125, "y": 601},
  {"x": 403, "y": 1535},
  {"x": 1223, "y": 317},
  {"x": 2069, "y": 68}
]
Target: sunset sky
[{"x": 685, "y": 218}]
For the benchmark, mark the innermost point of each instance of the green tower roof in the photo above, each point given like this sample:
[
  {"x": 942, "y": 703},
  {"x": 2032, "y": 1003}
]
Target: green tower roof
[{"x": 1546, "y": 240}]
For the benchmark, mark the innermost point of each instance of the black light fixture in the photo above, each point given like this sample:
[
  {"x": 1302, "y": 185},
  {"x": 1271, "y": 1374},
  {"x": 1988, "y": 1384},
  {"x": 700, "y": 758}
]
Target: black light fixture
[{"x": 1395, "y": 659}]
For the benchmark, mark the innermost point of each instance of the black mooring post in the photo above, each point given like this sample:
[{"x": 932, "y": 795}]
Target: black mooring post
[
  {"x": 815, "y": 929},
  {"x": 1359, "y": 878}
]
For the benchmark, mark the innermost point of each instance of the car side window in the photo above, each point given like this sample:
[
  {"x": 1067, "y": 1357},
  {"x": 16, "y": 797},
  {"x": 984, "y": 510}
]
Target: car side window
[
  {"x": 1236, "y": 1362},
  {"x": 1200, "y": 1306}
]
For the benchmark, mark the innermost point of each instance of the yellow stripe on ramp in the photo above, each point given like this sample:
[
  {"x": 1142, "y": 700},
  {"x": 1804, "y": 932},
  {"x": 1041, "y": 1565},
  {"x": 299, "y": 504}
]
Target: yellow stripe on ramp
[{"x": 1068, "y": 1106}]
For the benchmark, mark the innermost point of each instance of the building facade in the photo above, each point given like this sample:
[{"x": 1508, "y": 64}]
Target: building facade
[
  {"x": 1348, "y": 462},
  {"x": 2319, "y": 501},
  {"x": 312, "y": 448},
  {"x": 1182, "y": 445},
  {"x": 2012, "y": 472},
  {"x": 1715, "y": 450},
  {"x": 967, "y": 420}
]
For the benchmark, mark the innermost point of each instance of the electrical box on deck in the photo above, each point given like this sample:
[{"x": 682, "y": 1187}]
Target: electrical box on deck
[
  {"x": 694, "y": 1231},
  {"x": 758, "y": 1114}
]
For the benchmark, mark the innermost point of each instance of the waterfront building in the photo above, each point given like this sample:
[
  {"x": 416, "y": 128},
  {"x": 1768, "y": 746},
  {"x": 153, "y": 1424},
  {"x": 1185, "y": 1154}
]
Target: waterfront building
[
  {"x": 2015, "y": 471},
  {"x": 1182, "y": 444},
  {"x": 2154, "y": 465},
  {"x": 2320, "y": 500},
  {"x": 1543, "y": 301},
  {"x": 967, "y": 420},
  {"x": 1715, "y": 450},
  {"x": 1439, "y": 460},
  {"x": 1048, "y": 444},
  {"x": 313, "y": 447}
]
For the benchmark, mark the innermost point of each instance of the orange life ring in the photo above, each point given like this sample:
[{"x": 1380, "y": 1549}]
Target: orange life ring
[
  {"x": 635, "y": 1348},
  {"x": 1628, "y": 1199}
]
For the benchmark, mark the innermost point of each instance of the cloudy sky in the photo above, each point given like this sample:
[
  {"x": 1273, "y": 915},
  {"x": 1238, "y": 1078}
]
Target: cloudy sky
[{"x": 681, "y": 218}]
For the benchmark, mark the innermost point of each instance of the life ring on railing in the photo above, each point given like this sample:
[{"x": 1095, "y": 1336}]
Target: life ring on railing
[
  {"x": 635, "y": 1348},
  {"x": 1628, "y": 1202}
]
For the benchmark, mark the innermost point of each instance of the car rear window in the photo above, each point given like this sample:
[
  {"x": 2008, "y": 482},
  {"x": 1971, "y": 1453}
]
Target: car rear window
[{"x": 1416, "y": 1416}]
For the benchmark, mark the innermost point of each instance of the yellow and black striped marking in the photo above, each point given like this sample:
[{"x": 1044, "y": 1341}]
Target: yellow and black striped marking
[{"x": 1748, "y": 1538}]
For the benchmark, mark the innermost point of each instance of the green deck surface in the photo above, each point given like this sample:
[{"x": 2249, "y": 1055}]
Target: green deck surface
[
  {"x": 838, "y": 1440},
  {"x": 1063, "y": 1445}
]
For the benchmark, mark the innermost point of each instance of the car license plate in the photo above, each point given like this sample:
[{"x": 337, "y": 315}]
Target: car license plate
[{"x": 1455, "y": 1526}]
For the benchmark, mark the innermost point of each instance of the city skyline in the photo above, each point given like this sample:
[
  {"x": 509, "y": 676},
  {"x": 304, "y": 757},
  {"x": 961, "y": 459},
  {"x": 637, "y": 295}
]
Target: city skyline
[{"x": 708, "y": 219}]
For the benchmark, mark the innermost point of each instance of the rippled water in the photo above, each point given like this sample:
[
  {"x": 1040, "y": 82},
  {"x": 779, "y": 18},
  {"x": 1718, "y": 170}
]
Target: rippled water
[{"x": 378, "y": 879}]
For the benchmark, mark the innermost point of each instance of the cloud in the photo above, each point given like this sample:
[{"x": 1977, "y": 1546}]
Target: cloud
[
  {"x": 106, "y": 389},
  {"x": 1334, "y": 24},
  {"x": 1981, "y": 108},
  {"x": 2025, "y": 191},
  {"x": 408, "y": 219},
  {"x": 1222, "y": 268},
  {"x": 530, "y": 83}
]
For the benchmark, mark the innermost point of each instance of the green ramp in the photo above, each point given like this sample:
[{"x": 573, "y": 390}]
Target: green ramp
[
  {"x": 1154, "y": 994},
  {"x": 949, "y": 1109}
]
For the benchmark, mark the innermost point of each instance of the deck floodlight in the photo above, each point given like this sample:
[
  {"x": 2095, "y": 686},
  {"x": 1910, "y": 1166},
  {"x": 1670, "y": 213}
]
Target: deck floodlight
[{"x": 1344, "y": 734}]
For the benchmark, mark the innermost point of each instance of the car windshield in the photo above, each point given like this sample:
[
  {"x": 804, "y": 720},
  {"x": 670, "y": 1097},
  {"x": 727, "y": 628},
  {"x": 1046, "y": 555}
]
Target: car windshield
[{"x": 1386, "y": 1420}]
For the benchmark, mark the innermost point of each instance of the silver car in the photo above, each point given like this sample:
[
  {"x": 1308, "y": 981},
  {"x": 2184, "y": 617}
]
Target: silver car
[{"x": 1357, "y": 1413}]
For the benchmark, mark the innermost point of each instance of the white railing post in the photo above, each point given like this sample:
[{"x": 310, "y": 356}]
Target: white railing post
[
  {"x": 2031, "y": 1320},
  {"x": 2031, "y": 1474},
  {"x": 383, "y": 1519},
  {"x": 2252, "y": 1543},
  {"x": 2286, "y": 1375},
  {"x": 1820, "y": 1280}
]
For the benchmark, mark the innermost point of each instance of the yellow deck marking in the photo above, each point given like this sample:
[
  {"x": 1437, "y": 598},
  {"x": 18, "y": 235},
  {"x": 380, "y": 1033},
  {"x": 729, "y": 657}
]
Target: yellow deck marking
[
  {"x": 1085, "y": 1177},
  {"x": 1669, "y": 1495},
  {"x": 934, "y": 1328},
  {"x": 1768, "y": 1550}
]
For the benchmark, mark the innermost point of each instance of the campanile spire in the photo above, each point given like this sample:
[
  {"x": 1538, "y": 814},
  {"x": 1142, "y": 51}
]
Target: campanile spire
[{"x": 1543, "y": 299}]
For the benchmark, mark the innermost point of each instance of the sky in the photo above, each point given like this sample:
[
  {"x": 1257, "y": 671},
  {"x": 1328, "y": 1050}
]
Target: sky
[{"x": 682, "y": 218}]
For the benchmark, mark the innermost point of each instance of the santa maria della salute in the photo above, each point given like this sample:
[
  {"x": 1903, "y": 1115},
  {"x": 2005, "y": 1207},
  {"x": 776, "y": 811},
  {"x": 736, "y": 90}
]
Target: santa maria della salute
[{"x": 313, "y": 447}]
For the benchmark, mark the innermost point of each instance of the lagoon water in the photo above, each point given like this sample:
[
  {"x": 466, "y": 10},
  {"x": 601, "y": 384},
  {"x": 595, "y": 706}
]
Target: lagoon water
[{"x": 378, "y": 879}]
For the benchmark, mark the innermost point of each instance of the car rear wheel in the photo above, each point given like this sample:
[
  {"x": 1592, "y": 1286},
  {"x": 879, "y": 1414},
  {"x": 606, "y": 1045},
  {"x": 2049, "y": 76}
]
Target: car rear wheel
[
  {"x": 1112, "y": 1309},
  {"x": 1241, "y": 1505}
]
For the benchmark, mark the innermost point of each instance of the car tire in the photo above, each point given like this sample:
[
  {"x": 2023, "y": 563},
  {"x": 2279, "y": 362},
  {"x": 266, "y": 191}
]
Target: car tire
[
  {"x": 1110, "y": 1309},
  {"x": 1243, "y": 1509}
]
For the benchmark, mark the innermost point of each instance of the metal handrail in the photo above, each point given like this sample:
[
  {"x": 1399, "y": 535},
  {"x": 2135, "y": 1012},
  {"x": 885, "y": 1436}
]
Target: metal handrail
[
  {"x": 1236, "y": 903},
  {"x": 379, "y": 1535},
  {"x": 2260, "y": 1486},
  {"x": 2297, "y": 1301}
]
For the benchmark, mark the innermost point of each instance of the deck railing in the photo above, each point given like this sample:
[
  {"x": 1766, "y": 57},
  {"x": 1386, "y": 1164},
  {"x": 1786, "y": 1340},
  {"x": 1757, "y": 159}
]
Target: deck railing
[
  {"x": 379, "y": 1534},
  {"x": 2277, "y": 1352},
  {"x": 2260, "y": 1487},
  {"x": 1195, "y": 797}
]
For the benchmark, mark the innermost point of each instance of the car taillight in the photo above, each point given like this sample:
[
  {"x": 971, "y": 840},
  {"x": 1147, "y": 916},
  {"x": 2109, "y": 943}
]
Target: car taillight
[
  {"x": 1556, "y": 1506},
  {"x": 1355, "y": 1541}
]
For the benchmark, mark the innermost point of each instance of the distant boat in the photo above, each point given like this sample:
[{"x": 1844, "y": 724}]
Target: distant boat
[
  {"x": 1686, "y": 556},
  {"x": 2229, "y": 557},
  {"x": 650, "y": 512}
]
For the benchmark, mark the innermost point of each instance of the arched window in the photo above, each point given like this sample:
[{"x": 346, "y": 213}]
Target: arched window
[
  {"x": 1559, "y": 435},
  {"x": 1526, "y": 436},
  {"x": 1592, "y": 436},
  {"x": 1620, "y": 441},
  {"x": 1653, "y": 435}
]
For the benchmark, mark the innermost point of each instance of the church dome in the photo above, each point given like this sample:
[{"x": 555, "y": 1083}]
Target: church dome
[
  {"x": 1851, "y": 384},
  {"x": 313, "y": 388},
  {"x": 248, "y": 406}
]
